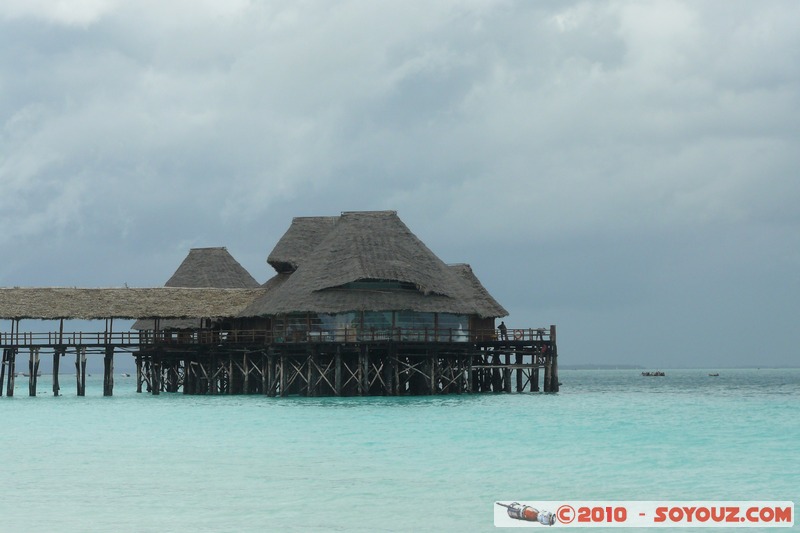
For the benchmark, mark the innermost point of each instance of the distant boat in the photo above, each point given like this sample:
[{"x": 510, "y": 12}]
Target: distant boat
[
  {"x": 656, "y": 373},
  {"x": 125, "y": 375},
  {"x": 715, "y": 374}
]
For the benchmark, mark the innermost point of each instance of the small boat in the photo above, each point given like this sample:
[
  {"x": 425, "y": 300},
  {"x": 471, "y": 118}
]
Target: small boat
[
  {"x": 655, "y": 373},
  {"x": 715, "y": 374},
  {"x": 125, "y": 375}
]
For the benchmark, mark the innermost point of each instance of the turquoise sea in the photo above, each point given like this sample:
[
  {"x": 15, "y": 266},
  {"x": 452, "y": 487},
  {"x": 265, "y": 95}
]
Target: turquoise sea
[{"x": 142, "y": 463}]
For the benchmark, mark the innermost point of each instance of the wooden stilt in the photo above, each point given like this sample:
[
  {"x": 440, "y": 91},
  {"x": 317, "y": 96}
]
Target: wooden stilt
[
  {"x": 12, "y": 370},
  {"x": 33, "y": 371},
  {"x": 139, "y": 377},
  {"x": 56, "y": 363},
  {"x": 548, "y": 376},
  {"x": 395, "y": 373},
  {"x": 309, "y": 373},
  {"x": 3, "y": 369},
  {"x": 470, "y": 374},
  {"x": 246, "y": 377},
  {"x": 271, "y": 374},
  {"x": 155, "y": 377},
  {"x": 80, "y": 370},
  {"x": 554, "y": 357},
  {"x": 365, "y": 371},
  {"x": 432, "y": 362},
  {"x": 337, "y": 377},
  {"x": 282, "y": 376},
  {"x": 108, "y": 372},
  {"x": 188, "y": 376}
]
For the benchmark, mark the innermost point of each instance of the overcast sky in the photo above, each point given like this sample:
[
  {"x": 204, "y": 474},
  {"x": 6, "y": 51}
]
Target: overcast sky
[{"x": 628, "y": 171}]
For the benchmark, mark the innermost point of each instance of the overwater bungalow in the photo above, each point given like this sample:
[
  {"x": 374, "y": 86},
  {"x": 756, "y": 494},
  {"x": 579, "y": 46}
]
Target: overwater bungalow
[{"x": 357, "y": 305}]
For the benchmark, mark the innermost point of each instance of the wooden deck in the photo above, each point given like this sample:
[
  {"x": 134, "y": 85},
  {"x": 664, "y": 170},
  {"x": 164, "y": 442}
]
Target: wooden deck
[{"x": 344, "y": 362}]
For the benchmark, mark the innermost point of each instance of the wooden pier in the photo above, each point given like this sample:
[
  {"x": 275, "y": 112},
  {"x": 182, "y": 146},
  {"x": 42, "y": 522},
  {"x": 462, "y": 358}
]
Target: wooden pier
[{"x": 334, "y": 363}]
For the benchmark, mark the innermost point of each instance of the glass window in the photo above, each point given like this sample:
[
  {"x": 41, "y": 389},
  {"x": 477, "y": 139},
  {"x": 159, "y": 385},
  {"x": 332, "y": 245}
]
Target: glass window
[
  {"x": 415, "y": 326},
  {"x": 453, "y": 328},
  {"x": 377, "y": 325}
]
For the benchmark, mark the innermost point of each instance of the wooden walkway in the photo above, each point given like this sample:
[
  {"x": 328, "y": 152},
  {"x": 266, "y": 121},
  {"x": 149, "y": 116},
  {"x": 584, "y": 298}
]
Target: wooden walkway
[{"x": 345, "y": 362}]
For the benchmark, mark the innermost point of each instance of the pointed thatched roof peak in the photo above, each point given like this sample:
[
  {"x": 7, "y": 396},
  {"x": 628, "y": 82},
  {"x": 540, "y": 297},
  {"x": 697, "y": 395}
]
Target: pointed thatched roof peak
[
  {"x": 368, "y": 246},
  {"x": 375, "y": 246},
  {"x": 299, "y": 241},
  {"x": 211, "y": 268}
]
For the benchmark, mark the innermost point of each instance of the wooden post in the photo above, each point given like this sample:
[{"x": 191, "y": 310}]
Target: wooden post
[
  {"x": 518, "y": 370},
  {"x": 246, "y": 382},
  {"x": 33, "y": 371},
  {"x": 548, "y": 376},
  {"x": 266, "y": 382},
  {"x": 155, "y": 377},
  {"x": 80, "y": 370},
  {"x": 395, "y": 372},
  {"x": 360, "y": 371},
  {"x": 432, "y": 361},
  {"x": 12, "y": 356},
  {"x": 535, "y": 378},
  {"x": 108, "y": 371},
  {"x": 365, "y": 371},
  {"x": 271, "y": 374},
  {"x": 282, "y": 377},
  {"x": 309, "y": 372},
  {"x": 3, "y": 369},
  {"x": 337, "y": 378},
  {"x": 470, "y": 374},
  {"x": 139, "y": 373},
  {"x": 554, "y": 359},
  {"x": 56, "y": 363},
  {"x": 188, "y": 379}
]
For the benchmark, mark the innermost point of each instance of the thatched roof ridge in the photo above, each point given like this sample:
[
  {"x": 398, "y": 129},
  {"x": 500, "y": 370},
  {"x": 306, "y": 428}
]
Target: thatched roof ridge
[
  {"x": 475, "y": 293},
  {"x": 211, "y": 267},
  {"x": 140, "y": 303},
  {"x": 374, "y": 246},
  {"x": 302, "y": 237}
]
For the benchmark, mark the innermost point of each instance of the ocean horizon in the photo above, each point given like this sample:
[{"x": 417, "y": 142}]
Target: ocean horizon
[{"x": 137, "y": 462}]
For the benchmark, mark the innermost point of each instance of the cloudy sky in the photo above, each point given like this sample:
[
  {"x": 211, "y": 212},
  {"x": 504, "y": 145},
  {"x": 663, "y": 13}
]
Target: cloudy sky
[{"x": 628, "y": 171}]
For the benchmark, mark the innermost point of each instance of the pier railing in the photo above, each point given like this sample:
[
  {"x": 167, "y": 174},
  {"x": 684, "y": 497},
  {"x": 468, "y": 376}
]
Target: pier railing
[{"x": 288, "y": 336}]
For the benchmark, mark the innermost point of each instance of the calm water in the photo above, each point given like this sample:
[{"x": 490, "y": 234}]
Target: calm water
[{"x": 177, "y": 463}]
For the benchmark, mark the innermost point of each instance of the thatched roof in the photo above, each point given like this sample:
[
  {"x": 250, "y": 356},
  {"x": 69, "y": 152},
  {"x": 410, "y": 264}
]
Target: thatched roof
[
  {"x": 204, "y": 268},
  {"x": 374, "y": 246},
  {"x": 211, "y": 267},
  {"x": 302, "y": 237},
  {"x": 90, "y": 304}
]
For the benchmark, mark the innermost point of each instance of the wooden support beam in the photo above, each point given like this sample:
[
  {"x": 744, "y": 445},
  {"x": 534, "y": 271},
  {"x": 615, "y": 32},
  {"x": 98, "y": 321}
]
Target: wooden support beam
[
  {"x": 3, "y": 369},
  {"x": 519, "y": 371},
  {"x": 337, "y": 377},
  {"x": 470, "y": 373},
  {"x": 271, "y": 389},
  {"x": 246, "y": 377},
  {"x": 282, "y": 377},
  {"x": 395, "y": 372},
  {"x": 309, "y": 372},
  {"x": 56, "y": 363},
  {"x": 139, "y": 373},
  {"x": 80, "y": 370},
  {"x": 554, "y": 385},
  {"x": 33, "y": 371},
  {"x": 108, "y": 372},
  {"x": 433, "y": 365},
  {"x": 12, "y": 370},
  {"x": 155, "y": 377}
]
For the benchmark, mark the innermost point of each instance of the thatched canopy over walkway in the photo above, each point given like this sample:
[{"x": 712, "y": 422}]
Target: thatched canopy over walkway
[{"x": 125, "y": 303}]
